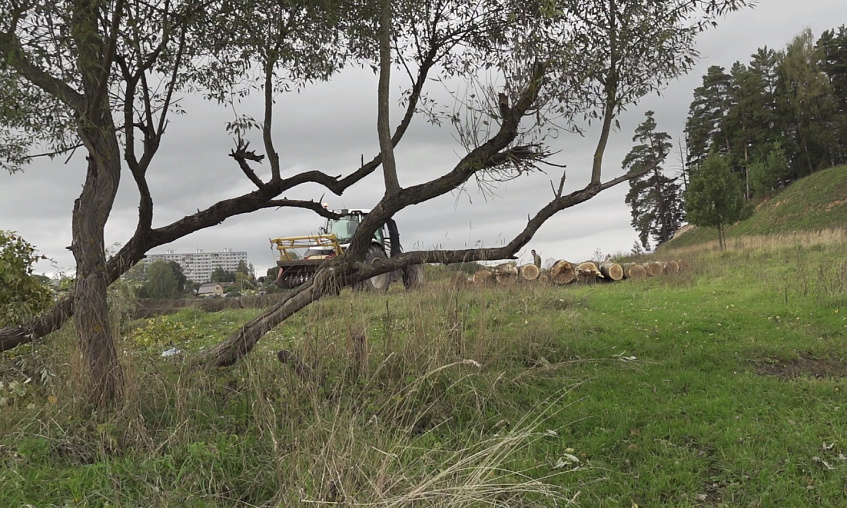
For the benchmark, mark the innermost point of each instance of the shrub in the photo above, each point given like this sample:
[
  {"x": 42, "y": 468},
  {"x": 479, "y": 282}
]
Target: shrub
[{"x": 21, "y": 295}]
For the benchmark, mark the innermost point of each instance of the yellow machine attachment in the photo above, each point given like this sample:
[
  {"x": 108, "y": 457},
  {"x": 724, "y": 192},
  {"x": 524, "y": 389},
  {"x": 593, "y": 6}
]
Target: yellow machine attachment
[
  {"x": 296, "y": 268},
  {"x": 322, "y": 247}
]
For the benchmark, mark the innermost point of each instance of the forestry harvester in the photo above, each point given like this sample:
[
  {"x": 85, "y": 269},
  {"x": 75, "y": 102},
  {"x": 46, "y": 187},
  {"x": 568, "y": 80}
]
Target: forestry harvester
[{"x": 301, "y": 256}]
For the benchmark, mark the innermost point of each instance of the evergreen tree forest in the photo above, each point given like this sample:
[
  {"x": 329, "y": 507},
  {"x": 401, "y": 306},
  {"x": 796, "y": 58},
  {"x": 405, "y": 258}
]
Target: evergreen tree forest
[{"x": 780, "y": 117}]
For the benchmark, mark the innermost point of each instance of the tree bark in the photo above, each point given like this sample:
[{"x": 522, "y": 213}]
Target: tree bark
[
  {"x": 587, "y": 272},
  {"x": 244, "y": 340},
  {"x": 389, "y": 167},
  {"x": 46, "y": 323},
  {"x": 104, "y": 376}
]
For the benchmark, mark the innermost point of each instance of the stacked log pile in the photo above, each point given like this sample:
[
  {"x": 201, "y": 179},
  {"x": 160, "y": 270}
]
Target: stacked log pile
[{"x": 564, "y": 272}]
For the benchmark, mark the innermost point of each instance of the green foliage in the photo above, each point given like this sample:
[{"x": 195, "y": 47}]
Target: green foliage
[
  {"x": 808, "y": 104},
  {"x": 221, "y": 275},
  {"x": 715, "y": 197},
  {"x": 770, "y": 174},
  {"x": 164, "y": 331},
  {"x": 22, "y": 296},
  {"x": 704, "y": 127},
  {"x": 164, "y": 280}
]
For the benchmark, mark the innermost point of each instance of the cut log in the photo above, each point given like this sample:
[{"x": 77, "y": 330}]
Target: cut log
[
  {"x": 543, "y": 278},
  {"x": 530, "y": 272},
  {"x": 562, "y": 272},
  {"x": 670, "y": 267},
  {"x": 653, "y": 268},
  {"x": 482, "y": 277},
  {"x": 683, "y": 266},
  {"x": 587, "y": 272},
  {"x": 507, "y": 273},
  {"x": 634, "y": 271},
  {"x": 611, "y": 271}
]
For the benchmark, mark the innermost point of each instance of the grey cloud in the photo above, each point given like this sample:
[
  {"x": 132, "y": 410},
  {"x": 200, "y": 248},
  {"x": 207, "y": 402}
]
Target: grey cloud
[{"x": 329, "y": 126}]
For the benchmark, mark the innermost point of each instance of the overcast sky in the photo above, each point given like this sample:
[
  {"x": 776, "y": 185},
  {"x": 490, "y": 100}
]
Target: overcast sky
[{"x": 330, "y": 126}]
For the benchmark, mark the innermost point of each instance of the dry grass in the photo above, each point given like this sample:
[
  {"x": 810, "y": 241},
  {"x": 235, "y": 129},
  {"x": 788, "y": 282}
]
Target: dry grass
[{"x": 762, "y": 242}]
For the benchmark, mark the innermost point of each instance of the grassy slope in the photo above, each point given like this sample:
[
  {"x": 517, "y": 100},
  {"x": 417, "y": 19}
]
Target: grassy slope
[
  {"x": 814, "y": 203},
  {"x": 721, "y": 386}
]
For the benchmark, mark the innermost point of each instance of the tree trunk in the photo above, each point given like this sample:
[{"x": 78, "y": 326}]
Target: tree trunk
[
  {"x": 244, "y": 340},
  {"x": 652, "y": 268},
  {"x": 562, "y": 272},
  {"x": 634, "y": 271},
  {"x": 483, "y": 277},
  {"x": 507, "y": 273},
  {"x": 670, "y": 267},
  {"x": 611, "y": 271},
  {"x": 48, "y": 322},
  {"x": 587, "y": 272},
  {"x": 104, "y": 376}
]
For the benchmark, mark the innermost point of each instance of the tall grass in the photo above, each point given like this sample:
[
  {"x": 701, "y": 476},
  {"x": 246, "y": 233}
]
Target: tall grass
[
  {"x": 721, "y": 385},
  {"x": 403, "y": 407}
]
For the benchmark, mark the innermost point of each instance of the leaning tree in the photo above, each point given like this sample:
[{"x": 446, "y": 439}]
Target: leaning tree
[{"x": 103, "y": 76}]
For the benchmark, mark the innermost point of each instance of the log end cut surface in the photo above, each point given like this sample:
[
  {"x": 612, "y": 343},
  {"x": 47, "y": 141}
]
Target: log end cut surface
[
  {"x": 612, "y": 271},
  {"x": 529, "y": 272}
]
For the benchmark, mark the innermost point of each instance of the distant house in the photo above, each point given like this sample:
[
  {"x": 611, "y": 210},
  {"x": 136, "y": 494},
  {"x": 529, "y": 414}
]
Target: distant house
[{"x": 210, "y": 289}]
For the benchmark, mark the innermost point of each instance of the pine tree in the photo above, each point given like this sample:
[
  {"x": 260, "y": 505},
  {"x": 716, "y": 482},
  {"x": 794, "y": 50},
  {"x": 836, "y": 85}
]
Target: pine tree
[
  {"x": 655, "y": 199},
  {"x": 704, "y": 128},
  {"x": 807, "y": 104},
  {"x": 832, "y": 48},
  {"x": 715, "y": 197}
]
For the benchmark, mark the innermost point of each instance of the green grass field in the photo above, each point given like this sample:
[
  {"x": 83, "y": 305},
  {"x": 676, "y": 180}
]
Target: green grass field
[{"x": 723, "y": 385}]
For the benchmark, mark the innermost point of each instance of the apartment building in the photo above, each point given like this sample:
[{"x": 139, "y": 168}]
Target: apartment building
[{"x": 198, "y": 266}]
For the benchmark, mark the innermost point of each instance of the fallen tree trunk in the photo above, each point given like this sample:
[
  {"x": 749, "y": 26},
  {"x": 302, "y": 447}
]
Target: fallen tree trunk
[
  {"x": 653, "y": 268},
  {"x": 670, "y": 267},
  {"x": 634, "y": 271},
  {"x": 562, "y": 272},
  {"x": 48, "y": 322},
  {"x": 482, "y": 277},
  {"x": 611, "y": 271},
  {"x": 507, "y": 273},
  {"x": 530, "y": 272},
  {"x": 587, "y": 272}
]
